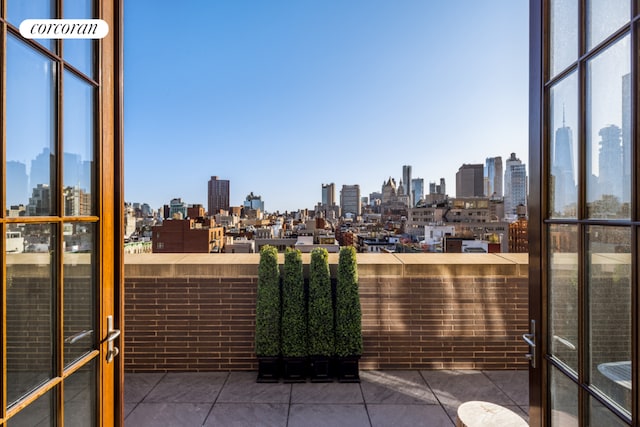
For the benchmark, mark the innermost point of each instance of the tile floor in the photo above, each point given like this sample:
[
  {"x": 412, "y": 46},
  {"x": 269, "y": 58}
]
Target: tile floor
[{"x": 382, "y": 398}]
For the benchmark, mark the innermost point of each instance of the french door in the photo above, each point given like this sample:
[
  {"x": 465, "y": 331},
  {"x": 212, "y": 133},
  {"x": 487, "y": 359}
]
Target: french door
[
  {"x": 61, "y": 220},
  {"x": 584, "y": 212}
]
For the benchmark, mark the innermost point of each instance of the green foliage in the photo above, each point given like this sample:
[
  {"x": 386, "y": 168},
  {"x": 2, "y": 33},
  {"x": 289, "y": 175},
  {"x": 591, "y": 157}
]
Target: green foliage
[
  {"x": 320, "y": 323},
  {"x": 294, "y": 331},
  {"x": 348, "y": 311},
  {"x": 268, "y": 304}
]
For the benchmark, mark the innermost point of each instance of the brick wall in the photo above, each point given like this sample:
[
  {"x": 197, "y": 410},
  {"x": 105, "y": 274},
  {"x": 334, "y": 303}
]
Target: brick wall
[{"x": 420, "y": 311}]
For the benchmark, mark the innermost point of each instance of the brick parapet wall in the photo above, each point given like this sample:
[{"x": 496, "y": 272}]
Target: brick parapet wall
[{"x": 420, "y": 311}]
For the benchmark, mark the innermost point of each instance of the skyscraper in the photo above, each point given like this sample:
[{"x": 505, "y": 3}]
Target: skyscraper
[
  {"x": 610, "y": 161},
  {"x": 417, "y": 190},
  {"x": 470, "y": 181},
  {"x": 493, "y": 177},
  {"x": 563, "y": 169},
  {"x": 515, "y": 185},
  {"x": 218, "y": 195},
  {"x": 350, "y": 200},
  {"x": 406, "y": 181},
  {"x": 329, "y": 194}
]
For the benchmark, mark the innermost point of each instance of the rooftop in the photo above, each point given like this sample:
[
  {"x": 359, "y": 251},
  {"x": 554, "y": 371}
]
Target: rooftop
[{"x": 382, "y": 398}]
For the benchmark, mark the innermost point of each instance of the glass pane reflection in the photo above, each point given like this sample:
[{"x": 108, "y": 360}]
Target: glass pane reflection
[
  {"x": 609, "y": 273},
  {"x": 599, "y": 415},
  {"x": 79, "y": 52},
  {"x": 609, "y": 133},
  {"x": 39, "y": 413},
  {"x": 80, "y": 397},
  {"x": 78, "y": 146},
  {"x": 564, "y": 143},
  {"x": 30, "y": 314},
  {"x": 564, "y": 400},
  {"x": 604, "y": 17},
  {"x": 31, "y": 129},
  {"x": 563, "y": 294},
  {"x": 564, "y": 34},
  {"x": 19, "y": 10},
  {"x": 79, "y": 290}
]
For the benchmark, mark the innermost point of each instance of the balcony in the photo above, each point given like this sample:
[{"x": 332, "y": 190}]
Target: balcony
[{"x": 438, "y": 329}]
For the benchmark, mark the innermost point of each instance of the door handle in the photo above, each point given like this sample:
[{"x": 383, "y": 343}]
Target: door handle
[
  {"x": 112, "y": 334},
  {"x": 530, "y": 339}
]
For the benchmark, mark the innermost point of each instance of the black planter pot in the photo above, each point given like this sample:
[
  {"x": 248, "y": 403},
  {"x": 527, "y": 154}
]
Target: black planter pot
[
  {"x": 348, "y": 369},
  {"x": 319, "y": 368},
  {"x": 268, "y": 369},
  {"x": 294, "y": 369}
]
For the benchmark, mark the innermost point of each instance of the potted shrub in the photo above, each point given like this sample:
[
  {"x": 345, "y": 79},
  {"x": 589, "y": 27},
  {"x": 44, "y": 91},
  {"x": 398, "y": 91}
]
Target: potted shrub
[
  {"x": 268, "y": 316},
  {"x": 294, "y": 331},
  {"x": 348, "y": 317},
  {"x": 320, "y": 317}
]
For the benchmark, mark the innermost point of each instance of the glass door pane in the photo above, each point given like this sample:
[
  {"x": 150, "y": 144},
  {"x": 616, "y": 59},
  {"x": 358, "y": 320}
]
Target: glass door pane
[
  {"x": 609, "y": 284},
  {"x": 30, "y": 311},
  {"x": 608, "y": 133},
  {"x": 80, "y": 300},
  {"x": 79, "y": 142},
  {"x": 31, "y": 130},
  {"x": 563, "y": 295}
]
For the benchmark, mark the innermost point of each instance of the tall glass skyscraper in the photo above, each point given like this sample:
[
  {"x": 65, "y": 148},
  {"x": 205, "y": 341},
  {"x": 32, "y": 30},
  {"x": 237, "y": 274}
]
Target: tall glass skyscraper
[
  {"x": 515, "y": 185},
  {"x": 493, "y": 177}
]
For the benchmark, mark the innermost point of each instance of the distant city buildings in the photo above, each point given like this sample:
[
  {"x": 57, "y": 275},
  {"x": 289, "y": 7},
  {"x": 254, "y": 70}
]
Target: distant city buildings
[
  {"x": 493, "y": 176},
  {"x": 350, "y": 200},
  {"x": 329, "y": 194},
  {"x": 470, "y": 181},
  {"x": 177, "y": 209},
  {"x": 515, "y": 185},
  {"x": 417, "y": 191},
  {"x": 218, "y": 195},
  {"x": 406, "y": 183},
  {"x": 395, "y": 218}
]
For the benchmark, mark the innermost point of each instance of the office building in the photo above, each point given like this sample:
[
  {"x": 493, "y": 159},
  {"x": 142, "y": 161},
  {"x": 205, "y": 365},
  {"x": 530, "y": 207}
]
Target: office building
[
  {"x": 329, "y": 194},
  {"x": 417, "y": 190},
  {"x": 470, "y": 181},
  {"x": 350, "y": 200},
  {"x": 493, "y": 177},
  {"x": 406, "y": 182},
  {"x": 515, "y": 185},
  {"x": 218, "y": 195}
]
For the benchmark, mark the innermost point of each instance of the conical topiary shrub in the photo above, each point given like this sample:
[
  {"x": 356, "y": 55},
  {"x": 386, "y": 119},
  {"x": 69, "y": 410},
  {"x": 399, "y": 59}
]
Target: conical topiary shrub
[
  {"x": 294, "y": 326},
  {"x": 268, "y": 315},
  {"x": 348, "y": 317},
  {"x": 320, "y": 318}
]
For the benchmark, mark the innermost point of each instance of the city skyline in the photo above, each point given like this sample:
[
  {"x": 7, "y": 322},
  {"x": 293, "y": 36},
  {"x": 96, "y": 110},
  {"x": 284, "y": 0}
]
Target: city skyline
[{"x": 267, "y": 97}]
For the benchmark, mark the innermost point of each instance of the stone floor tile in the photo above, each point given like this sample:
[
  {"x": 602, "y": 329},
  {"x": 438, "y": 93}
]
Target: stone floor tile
[
  {"x": 514, "y": 384},
  {"x": 395, "y": 387},
  {"x": 168, "y": 415},
  {"x": 408, "y": 415},
  {"x": 455, "y": 387},
  {"x": 241, "y": 387},
  {"x": 315, "y": 415},
  {"x": 128, "y": 408},
  {"x": 137, "y": 386},
  {"x": 248, "y": 415},
  {"x": 326, "y": 393},
  {"x": 188, "y": 387}
]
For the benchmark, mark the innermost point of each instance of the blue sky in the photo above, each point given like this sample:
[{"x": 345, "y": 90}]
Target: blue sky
[{"x": 281, "y": 96}]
